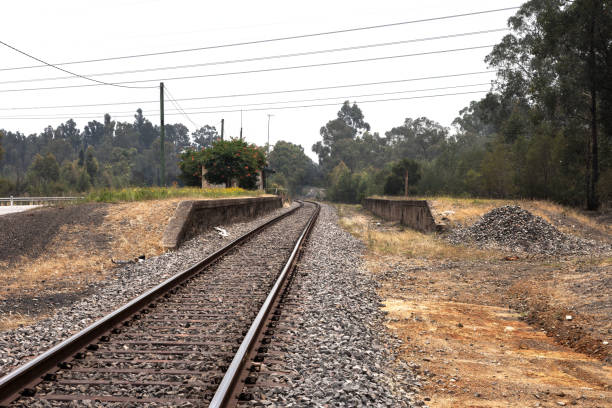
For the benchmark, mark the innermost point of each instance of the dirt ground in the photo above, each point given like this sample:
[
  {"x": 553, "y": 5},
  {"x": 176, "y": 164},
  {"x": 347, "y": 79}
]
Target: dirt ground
[
  {"x": 487, "y": 332},
  {"x": 54, "y": 254}
]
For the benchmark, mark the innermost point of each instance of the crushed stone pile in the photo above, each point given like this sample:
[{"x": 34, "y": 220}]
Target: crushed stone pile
[{"x": 512, "y": 228}]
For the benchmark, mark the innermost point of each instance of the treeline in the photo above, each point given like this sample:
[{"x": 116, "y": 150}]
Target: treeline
[
  {"x": 497, "y": 151},
  {"x": 111, "y": 154},
  {"x": 545, "y": 130}
]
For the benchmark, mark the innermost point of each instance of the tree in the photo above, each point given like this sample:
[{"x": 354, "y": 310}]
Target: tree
[
  {"x": 5, "y": 185},
  {"x": 91, "y": 163},
  {"x": 419, "y": 138},
  {"x": 147, "y": 133},
  {"x": 191, "y": 167},
  {"x": 225, "y": 161},
  {"x": 234, "y": 160},
  {"x": 126, "y": 135},
  {"x": 498, "y": 172},
  {"x": 178, "y": 135},
  {"x": 338, "y": 135},
  {"x": 70, "y": 133},
  {"x": 109, "y": 127},
  {"x": 205, "y": 136},
  {"x": 290, "y": 161},
  {"x": 1, "y": 149},
  {"x": 559, "y": 59},
  {"x": 93, "y": 133},
  {"x": 408, "y": 170},
  {"x": 43, "y": 174}
]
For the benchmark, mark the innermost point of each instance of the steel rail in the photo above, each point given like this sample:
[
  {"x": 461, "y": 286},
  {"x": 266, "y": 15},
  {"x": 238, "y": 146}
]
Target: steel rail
[
  {"x": 29, "y": 375},
  {"x": 227, "y": 389}
]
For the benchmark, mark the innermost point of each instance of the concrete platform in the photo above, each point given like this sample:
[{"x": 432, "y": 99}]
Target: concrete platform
[
  {"x": 10, "y": 209},
  {"x": 194, "y": 216}
]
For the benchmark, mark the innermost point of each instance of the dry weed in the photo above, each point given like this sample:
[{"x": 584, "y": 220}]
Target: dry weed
[
  {"x": 15, "y": 320},
  {"x": 466, "y": 211},
  {"x": 403, "y": 241},
  {"x": 71, "y": 262}
]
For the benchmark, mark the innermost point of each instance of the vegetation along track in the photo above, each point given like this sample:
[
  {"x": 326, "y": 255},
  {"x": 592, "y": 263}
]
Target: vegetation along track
[{"x": 189, "y": 339}]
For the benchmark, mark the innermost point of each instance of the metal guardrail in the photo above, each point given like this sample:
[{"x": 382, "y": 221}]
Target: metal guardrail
[{"x": 36, "y": 200}]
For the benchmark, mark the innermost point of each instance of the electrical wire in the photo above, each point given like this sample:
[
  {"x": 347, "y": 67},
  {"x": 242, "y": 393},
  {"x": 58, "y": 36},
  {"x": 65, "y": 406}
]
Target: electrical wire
[
  {"x": 293, "y": 37},
  {"x": 282, "y": 107},
  {"x": 323, "y": 64},
  {"x": 264, "y": 58},
  {"x": 178, "y": 106},
  {"x": 395, "y": 81},
  {"x": 180, "y": 109},
  {"x": 70, "y": 72}
]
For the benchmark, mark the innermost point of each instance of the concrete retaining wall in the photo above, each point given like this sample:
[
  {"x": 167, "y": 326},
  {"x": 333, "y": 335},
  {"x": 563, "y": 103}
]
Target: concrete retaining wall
[
  {"x": 411, "y": 213},
  {"x": 195, "y": 216}
]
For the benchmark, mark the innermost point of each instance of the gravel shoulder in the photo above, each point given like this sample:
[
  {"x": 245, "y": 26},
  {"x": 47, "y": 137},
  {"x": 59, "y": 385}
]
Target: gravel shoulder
[
  {"x": 72, "y": 314},
  {"x": 340, "y": 354}
]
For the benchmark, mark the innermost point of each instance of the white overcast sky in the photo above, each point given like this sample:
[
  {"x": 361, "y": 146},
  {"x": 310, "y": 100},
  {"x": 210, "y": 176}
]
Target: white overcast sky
[{"x": 61, "y": 31}]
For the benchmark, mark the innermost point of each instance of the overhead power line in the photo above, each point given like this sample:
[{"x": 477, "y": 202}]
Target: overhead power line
[
  {"x": 245, "y": 105},
  {"x": 178, "y": 107},
  {"x": 323, "y": 64},
  {"x": 73, "y": 74},
  {"x": 283, "y": 91},
  {"x": 280, "y": 107},
  {"x": 253, "y": 59},
  {"x": 293, "y": 37}
]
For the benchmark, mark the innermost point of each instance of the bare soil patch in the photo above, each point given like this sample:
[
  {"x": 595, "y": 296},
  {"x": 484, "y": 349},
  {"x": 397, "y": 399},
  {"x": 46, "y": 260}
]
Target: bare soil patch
[
  {"x": 27, "y": 234},
  {"x": 485, "y": 331}
]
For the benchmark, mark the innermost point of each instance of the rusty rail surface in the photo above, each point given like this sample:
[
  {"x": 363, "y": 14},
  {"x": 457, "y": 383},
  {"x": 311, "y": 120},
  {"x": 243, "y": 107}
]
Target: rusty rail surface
[{"x": 21, "y": 382}]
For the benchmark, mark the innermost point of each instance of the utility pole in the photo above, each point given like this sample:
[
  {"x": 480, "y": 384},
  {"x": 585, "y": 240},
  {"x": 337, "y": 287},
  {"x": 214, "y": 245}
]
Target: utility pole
[
  {"x": 162, "y": 135},
  {"x": 222, "y": 124},
  {"x": 240, "y": 124},
  {"x": 269, "y": 115}
]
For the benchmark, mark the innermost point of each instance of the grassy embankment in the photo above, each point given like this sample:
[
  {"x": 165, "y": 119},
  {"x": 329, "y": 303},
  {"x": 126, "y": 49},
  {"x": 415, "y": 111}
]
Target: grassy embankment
[{"x": 160, "y": 193}]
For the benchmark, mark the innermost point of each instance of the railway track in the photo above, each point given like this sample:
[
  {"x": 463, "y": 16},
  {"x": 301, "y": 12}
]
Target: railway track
[{"x": 197, "y": 339}]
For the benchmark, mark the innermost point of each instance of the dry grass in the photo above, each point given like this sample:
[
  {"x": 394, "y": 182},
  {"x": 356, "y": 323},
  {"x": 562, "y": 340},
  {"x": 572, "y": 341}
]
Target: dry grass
[
  {"x": 15, "y": 320},
  {"x": 69, "y": 263},
  {"x": 162, "y": 193},
  {"x": 138, "y": 227},
  {"x": 404, "y": 242},
  {"x": 466, "y": 211}
]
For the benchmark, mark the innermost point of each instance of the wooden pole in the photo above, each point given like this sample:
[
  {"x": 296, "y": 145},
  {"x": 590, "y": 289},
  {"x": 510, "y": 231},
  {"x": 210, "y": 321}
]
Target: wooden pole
[{"x": 162, "y": 137}]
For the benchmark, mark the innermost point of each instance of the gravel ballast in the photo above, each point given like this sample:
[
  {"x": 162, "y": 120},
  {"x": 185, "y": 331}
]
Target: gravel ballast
[
  {"x": 126, "y": 282},
  {"x": 201, "y": 323},
  {"x": 340, "y": 354},
  {"x": 514, "y": 229}
]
